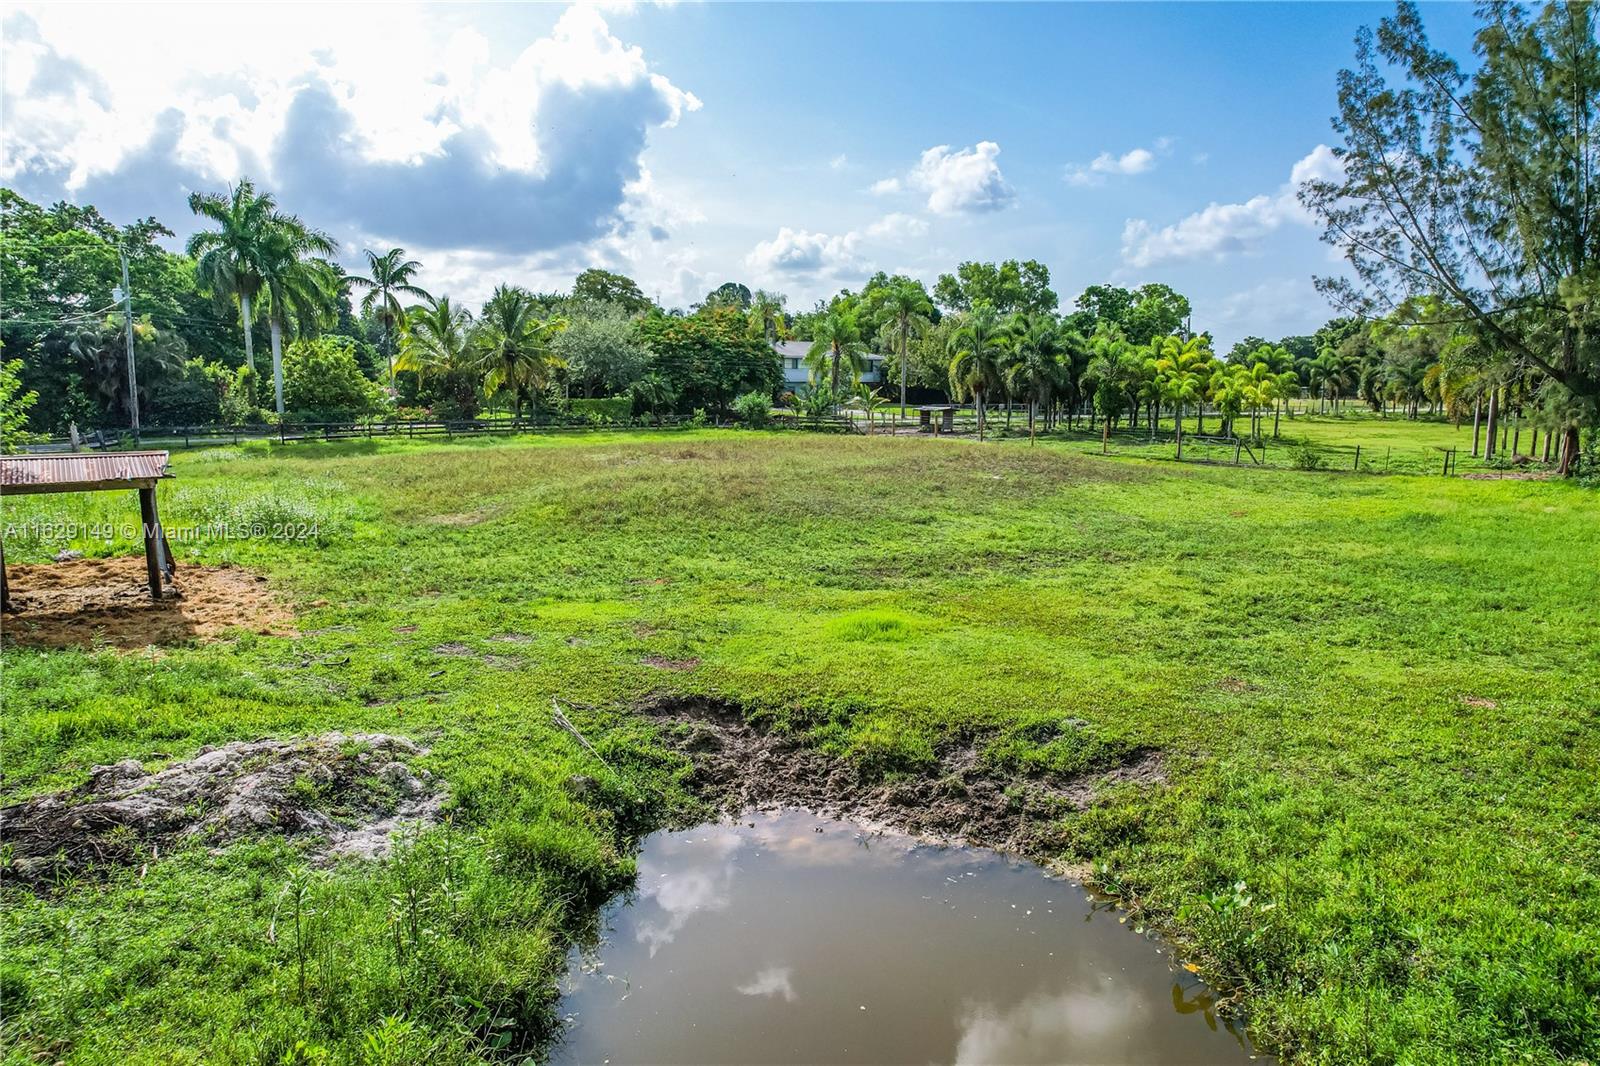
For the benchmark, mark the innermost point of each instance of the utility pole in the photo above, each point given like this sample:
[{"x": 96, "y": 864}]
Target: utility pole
[{"x": 127, "y": 323}]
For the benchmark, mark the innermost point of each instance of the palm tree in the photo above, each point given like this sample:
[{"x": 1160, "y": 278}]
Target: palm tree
[
  {"x": 908, "y": 307},
  {"x": 228, "y": 259},
  {"x": 1288, "y": 385},
  {"x": 653, "y": 393},
  {"x": 387, "y": 279},
  {"x": 978, "y": 348},
  {"x": 514, "y": 345},
  {"x": 436, "y": 338},
  {"x": 836, "y": 341},
  {"x": 1178, "y": 386},
  {"x": 300, "y": 287},
  {"x": 1328, "y": 375},
  {"x": 766, "y": 316},
  {"x": 1227, "y": 391},
  {"x": 1038, "y": 349},
  {"x": 1115, "y": 368}
]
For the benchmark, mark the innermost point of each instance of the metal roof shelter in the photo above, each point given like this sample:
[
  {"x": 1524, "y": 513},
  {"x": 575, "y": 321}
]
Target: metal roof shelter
[{"x": 22, "y": 475}]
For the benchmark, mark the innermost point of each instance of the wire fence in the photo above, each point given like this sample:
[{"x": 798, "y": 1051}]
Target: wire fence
[{"x": 937, "y": 422}]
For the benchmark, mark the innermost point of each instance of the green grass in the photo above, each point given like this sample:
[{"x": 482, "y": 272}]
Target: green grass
[{"x": 1379, "y": 699}]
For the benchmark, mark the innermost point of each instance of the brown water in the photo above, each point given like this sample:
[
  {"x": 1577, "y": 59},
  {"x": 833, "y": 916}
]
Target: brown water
[{"x": 777, "y": 943}]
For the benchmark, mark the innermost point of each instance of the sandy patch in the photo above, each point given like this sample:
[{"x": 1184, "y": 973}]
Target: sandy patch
[{"x": 85, "y": 602}]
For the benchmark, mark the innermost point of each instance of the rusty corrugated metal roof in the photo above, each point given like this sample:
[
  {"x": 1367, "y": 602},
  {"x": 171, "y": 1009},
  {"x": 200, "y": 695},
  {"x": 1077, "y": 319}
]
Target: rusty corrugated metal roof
[{"x": 43, "y": 472}]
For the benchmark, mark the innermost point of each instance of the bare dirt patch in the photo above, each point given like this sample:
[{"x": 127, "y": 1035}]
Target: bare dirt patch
[
  {"x": 84, "y": 602},
  {"x": 349, "y": 793},
  {"x": 1479, "y": 702},
  {"x": 739, "y": 766},
  {"x": 453, "y": 648}
]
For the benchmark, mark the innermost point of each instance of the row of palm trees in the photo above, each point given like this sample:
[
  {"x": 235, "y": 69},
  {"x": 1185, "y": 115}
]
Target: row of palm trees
[
  {"x": 509, "y": 343},
  {"x": 1040, "y": 359}
]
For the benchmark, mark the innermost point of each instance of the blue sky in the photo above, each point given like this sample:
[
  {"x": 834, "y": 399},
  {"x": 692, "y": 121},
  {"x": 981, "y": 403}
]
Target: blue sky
[{"x": 797, "y": 146}]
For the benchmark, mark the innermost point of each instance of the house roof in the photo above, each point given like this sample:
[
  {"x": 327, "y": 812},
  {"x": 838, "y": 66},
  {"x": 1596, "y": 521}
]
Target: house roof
[{"x": 800, "y": 349}]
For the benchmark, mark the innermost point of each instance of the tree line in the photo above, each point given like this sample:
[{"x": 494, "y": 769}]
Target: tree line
[{"x": 1465, "y": 206}]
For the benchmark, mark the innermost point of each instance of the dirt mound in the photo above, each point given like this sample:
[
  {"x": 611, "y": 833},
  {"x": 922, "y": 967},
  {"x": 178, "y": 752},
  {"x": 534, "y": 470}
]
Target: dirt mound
[
  {"x": 84, "y": 602},
  {"x": 350, "y": 792},
  {"x": 738, "y": 766}
]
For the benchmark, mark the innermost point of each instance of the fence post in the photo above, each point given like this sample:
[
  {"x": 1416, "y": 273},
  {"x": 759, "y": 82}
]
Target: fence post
[
  {"x": 1237, "y": 443},
  {"x": 1358, "y": 458},
  {"x": 1386, "y": 453}
]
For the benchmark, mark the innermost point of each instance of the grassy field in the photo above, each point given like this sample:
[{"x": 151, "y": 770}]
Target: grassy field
[{"x": 1379, "y": 700}]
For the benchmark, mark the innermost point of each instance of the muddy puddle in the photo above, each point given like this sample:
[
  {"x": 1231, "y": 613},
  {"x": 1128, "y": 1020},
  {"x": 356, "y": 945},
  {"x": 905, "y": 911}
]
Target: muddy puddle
[{"x": 786, "y": 937}]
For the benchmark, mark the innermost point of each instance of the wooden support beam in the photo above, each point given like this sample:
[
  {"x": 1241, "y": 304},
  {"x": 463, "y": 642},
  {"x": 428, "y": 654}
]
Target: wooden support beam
[{"x": 152, "y": 540}]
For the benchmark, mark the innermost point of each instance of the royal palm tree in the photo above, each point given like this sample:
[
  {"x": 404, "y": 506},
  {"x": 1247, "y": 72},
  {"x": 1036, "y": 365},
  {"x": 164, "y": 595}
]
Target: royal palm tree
[
  {"x": 388, "y": 278},
  {"x": 978, "y": 348},
  {"x": 836, "y": 343},
  {"x": 300, "y": 287},
  {"x": 436, "y": 338},
  {"x": 514, "y": 345},
  {"x": 908, "y": 308},
  {"x": 228, "y": 258}
]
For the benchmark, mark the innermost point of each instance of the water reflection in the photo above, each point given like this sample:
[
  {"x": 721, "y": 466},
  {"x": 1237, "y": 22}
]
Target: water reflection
[
  {"x": 773, "y": 981},
  {"x": 684, "y": 876},
  {"x": 789, "y": 938}
]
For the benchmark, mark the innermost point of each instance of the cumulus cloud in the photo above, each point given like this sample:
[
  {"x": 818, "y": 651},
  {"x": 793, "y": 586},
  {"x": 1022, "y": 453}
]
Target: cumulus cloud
[
  {"x": 1133, "y": 161},
  {"x": 801, "y": 252},
  {"x": 963, "y": 181},
  {"x": 1221, "y": 230},
  {"x": 538, "y": 153},
  {"x": 897, "y": 226},
  {"x": 967, "y": 181}
]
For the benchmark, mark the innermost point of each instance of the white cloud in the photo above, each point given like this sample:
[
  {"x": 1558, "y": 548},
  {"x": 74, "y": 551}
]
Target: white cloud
[
  {"x": 964, "y": 181},
  {"x": 1278, "y": 307},
  {"x": 534, "y": 152},
  {"x": 897, "y": 226},
  {"x": 802, "y": 252},
  {"x": 839, "y": 162},
  {"x": 1221, "y": 230},
  {"x": 1133, "y": 161}
]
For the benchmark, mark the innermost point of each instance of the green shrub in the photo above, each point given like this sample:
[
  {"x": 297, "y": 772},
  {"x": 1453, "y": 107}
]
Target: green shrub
[
  {"x": 608, "y": 410},
  {"x": 322, "y": 381},
  {"x": 754, "y": 409},
  {"x": 1305, "y": 456}
]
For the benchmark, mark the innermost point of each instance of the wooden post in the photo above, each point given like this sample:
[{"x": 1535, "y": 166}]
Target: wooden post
[
  {"x": 1357, "y": 465},
  {"x": 152, "y": 540},
  {"x": 5, "y": 586}
]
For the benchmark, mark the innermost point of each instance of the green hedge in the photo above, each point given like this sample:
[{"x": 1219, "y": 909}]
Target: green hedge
[{"x": 606, "y": 409}]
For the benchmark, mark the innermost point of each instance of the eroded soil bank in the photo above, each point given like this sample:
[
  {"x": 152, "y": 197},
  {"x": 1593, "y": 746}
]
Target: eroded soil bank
[
  {"x": 739, "y": 765},
  {"x": 347, "y": 793}
]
